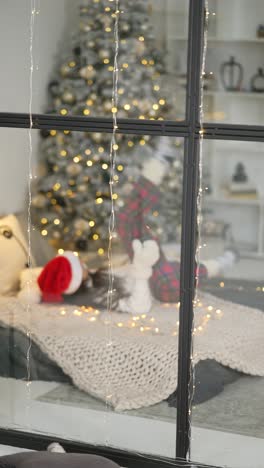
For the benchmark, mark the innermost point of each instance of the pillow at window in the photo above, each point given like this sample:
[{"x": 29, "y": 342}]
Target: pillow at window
[{"x": 13, "y": 254}]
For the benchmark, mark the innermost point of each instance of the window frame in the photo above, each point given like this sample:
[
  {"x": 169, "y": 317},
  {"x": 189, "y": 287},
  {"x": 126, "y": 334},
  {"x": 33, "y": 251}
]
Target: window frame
[{"x": 190, "y": 129}]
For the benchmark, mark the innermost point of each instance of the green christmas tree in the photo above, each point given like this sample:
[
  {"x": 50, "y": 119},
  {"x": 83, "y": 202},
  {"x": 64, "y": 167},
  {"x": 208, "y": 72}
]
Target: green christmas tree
[{"x": 72, "y": 204}]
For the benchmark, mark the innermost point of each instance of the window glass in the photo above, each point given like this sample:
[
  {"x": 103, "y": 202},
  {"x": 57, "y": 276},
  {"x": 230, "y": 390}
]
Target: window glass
[
  {"x": 74, "y": 363},
  {"x": 227, "y": 405},
  {"x": 234, "y": 75},
  {"x": 70, "y": 48}
]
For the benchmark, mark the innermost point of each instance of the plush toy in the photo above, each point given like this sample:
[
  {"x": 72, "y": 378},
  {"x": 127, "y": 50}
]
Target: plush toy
[
  {"x": 146, "y": 254},
  {"x": 144, "y": 198},
  {"x": 63, "y": 274}
]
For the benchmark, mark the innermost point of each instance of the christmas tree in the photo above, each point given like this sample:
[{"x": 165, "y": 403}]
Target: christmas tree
[{"x": 72, "y": 204}]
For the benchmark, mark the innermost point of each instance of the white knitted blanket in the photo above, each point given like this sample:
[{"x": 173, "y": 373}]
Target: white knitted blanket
[{"x": 131, "y": 363}]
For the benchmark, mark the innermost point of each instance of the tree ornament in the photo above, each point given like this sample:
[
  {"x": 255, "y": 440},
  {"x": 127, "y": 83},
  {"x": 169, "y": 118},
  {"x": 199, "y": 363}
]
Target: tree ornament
[
  {"x": 97, "y": 137},
  {"x": 87, "y": 72},
  {"x": 65, "y": 70},
  {"x": 81, "y": 225},
  {"x": 104, "y": 53},
  {"x": 56, "y": 235},
  {"x": 84, "y": 27},
  {"x": 39, "y": 201},
  {"x": 68, "y": 97},
  {"x": 82, "y": 188},
  {"x": 107, "y": 106},
  {"x": 125, "y": 27}
]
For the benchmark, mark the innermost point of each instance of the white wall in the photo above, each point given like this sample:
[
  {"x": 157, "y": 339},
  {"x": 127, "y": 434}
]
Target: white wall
[{"x": 50, "y": 35}]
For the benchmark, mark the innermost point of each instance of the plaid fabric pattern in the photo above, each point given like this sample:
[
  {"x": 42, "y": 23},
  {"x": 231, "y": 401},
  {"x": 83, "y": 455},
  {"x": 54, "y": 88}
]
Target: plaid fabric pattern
[{"x": 165, "y": 279}]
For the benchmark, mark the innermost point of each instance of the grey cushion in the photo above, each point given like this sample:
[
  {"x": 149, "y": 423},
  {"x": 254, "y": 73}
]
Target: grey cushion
[{"x": 55, "y": 460}]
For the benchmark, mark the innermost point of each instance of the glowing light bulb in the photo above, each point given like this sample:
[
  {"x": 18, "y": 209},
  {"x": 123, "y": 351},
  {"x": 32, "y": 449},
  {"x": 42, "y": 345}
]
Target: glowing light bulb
[
  {"x": 44, "y": 232},
  {"x": 99, "y": 200},
  {"x": 91, "y": 223},
  {"x": 56, "y": 221},
  {"x": 63, "y": 153},
  {"x": 89, "y": 163},
  {"x": 44, "y": 221},
  {"x": 104, "y": 166},
  {"x": 87, "y": 151},
  {"x": 61, "y": 251},
  {"x": 95, "y": 237},
  {"x": 141, "y": 38},
  {"x": 100, "y": 251}
]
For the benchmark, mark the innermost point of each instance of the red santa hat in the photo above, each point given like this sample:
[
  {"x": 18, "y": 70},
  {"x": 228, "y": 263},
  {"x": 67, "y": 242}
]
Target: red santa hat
[{"x": 62, "y": 275}]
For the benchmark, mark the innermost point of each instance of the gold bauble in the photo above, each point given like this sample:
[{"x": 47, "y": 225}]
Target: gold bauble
[
  {"x": 97, "y": 137},
  {"x": 65, "y": 70},
  {"x": 104, "y": 53},
  {"x": 87, "y": 72},
  {"x": 108, "y": 105},
  {"x": 85, "y": 27},
  {"x": 82, "y": 188},
  {"x": 68, "y": 97},
  {"x": 39, "y": 201},
  {"x": 81, "y": 225}
]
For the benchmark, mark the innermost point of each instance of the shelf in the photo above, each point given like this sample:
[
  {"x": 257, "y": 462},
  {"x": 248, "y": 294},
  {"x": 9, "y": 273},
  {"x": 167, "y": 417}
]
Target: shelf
[
  {"x": 235, "y": 201},
  {"x": 241, "y": 40},
  {"x": 239, "y": 94},
  {"x": 228, "y": 94}
]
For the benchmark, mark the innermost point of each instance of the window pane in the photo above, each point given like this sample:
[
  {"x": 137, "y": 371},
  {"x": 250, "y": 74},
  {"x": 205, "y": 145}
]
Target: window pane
[
  {"x": 73, "y": 58},
  {"x": 234, "y": 80},
  {"x": 93, "y": 375},
  {"x": 229, "y": 326}
]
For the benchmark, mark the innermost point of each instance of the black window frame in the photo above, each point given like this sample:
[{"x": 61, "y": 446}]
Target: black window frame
[{"x": 190, "y": 129}]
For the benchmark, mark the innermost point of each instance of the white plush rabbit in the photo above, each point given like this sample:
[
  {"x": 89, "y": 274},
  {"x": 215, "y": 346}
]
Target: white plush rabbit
[{"x": 146, "y": 254}]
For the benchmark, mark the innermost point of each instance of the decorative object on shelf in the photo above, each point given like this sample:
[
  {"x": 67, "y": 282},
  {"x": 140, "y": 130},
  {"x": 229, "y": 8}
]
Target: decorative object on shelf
[
  {"x": 257, "y": 82},
  {"x": 260, "y": 31},
  {"x": 231, "y": 74},
  {"x": 215, "y": 228},
  {"x": 240, "y": 185}
]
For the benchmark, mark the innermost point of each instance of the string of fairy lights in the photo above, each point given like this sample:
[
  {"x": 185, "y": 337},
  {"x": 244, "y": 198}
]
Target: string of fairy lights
[{"x": 144, "y": 323}]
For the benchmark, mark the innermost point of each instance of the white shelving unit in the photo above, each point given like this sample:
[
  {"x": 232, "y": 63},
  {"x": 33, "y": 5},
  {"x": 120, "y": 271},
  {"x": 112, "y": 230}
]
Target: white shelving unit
[{"x": 232, "y": 31}]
